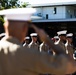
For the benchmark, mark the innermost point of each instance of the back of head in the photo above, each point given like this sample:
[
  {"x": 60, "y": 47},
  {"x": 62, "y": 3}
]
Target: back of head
[{"x": 16, "y": 21}]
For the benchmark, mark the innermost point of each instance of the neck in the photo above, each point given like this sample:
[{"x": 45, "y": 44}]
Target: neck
[
  {"x": 33, "y": 41},
  {"x": 8, "y": 35}
]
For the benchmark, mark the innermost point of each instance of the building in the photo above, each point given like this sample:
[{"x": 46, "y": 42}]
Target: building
[
  {"x": 56, "y": 12},
  {"x": 56, "y": 16}
]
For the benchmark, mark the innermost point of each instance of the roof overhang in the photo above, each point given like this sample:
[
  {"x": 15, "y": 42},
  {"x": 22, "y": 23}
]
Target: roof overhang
[
  {"x": 55, "y": 20},
  {"x": 54, "y": 4}
]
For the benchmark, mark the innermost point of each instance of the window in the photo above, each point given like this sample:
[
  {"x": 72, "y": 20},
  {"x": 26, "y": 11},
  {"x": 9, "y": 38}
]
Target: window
[
  {"x": 75, "y": 13},
  {"x": 55, "y": 10},
  {"x": 46, "y": 16},
  {"x": 71, "y": 16}
]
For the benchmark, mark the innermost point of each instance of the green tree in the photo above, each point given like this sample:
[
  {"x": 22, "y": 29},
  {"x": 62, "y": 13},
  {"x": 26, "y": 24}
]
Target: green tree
[
  {"x": 7, "y": 4},
  {"x": 24, "y": 4}
]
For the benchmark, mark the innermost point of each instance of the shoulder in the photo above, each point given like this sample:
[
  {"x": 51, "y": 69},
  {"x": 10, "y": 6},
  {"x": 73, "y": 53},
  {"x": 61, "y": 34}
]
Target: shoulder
[
  {"x": 30, "y": 43},
  {"x": 7, "y": 46},
  {"x": 41, "y": 44}
]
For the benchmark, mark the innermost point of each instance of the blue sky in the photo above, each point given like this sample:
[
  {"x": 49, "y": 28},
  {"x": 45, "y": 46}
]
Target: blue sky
[{"x": 45, "y": 1}]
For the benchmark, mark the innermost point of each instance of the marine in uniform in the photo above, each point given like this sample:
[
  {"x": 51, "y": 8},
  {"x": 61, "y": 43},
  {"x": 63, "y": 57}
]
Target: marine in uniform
[
  {"x": 33, "y": 43},
  {"x": 69, "y": 44},
  {"x": 44, "y": 47},
  {"x": 17, "y": 60},
  {"x": 26, "y": 41},
  {"x": 62, "y": 39},
  {"x": 56, "y": 38}
]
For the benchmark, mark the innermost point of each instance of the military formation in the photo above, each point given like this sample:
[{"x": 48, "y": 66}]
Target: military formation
[
  {"x": 63, "y": 39},
  {"x": 20, "y": 56}
]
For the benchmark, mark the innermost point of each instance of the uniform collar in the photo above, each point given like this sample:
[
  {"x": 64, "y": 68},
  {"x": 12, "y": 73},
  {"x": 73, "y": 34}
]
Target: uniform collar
[
  {"x": 11, "y": 39},
  {"x": 33, "y": 42}
]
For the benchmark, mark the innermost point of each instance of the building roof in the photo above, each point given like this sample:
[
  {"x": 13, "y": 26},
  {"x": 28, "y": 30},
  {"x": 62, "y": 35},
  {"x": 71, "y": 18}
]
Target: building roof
[
  {"x": 54, "y": 4},
  {"x": 55, "y": 20}
]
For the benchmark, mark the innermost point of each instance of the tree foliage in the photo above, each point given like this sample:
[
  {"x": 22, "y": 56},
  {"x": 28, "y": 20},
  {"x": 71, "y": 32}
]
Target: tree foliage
[
  {"x": 24, "y": 4},
  {"x": 8, "y": 4}
]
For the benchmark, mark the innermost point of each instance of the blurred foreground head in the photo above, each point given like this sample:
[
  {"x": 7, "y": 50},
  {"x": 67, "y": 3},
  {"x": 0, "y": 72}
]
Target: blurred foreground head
[{"x": 17, "y": 22}]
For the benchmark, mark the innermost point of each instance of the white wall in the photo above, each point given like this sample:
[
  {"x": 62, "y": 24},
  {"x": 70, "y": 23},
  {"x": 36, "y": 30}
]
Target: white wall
[
  {"x": 60, "y": 13},
  {"x": 70, "y": 11}
]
